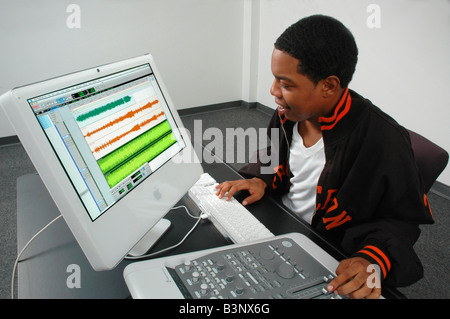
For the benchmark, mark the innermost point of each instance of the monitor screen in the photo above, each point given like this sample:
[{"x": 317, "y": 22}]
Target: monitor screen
[
  {"x": 110, "y": 148},
  {"x": 109, "y": 133}
]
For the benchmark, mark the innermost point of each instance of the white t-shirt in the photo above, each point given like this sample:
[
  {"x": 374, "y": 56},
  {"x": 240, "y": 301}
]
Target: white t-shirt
[{"x": 306, "y": 164}]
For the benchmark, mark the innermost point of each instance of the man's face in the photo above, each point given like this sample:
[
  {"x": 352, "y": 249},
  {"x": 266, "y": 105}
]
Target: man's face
[{"x": 297, "y": 97}]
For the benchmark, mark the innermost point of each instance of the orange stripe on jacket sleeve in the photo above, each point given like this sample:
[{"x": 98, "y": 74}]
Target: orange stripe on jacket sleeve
[
  {"x": 380, "y": 263},
  {"x": 381, "y": 254}
]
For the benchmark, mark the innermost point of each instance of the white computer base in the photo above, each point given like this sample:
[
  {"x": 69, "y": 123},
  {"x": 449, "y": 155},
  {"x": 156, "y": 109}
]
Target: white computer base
[{"x": 150, "y": 238}]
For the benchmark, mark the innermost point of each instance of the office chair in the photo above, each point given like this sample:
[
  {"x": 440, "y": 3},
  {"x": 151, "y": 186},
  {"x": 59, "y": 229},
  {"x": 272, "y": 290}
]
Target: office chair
[{"x": 431, "y": 159}]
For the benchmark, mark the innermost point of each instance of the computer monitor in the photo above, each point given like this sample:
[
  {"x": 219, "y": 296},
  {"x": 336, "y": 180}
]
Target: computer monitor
[{"x": 110, "y": 147}]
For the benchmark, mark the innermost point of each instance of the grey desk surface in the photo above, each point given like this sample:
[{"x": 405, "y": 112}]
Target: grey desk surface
[{"x": 43, "y": 270}]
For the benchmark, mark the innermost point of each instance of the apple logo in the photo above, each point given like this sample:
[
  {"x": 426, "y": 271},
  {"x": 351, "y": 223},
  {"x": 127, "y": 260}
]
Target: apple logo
[{"x": 157, "y": 194}]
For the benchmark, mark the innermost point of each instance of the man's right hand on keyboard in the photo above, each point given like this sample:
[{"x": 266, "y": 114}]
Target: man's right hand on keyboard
[{"x": 255, "y": 186}]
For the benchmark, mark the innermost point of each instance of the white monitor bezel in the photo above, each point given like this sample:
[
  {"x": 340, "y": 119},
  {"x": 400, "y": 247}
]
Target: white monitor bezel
[{"x": 110, "y": 237}]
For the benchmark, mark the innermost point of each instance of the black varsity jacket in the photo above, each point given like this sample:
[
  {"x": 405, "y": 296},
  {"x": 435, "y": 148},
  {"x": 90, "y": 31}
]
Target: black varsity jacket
[{"x": 369, "y": 198}]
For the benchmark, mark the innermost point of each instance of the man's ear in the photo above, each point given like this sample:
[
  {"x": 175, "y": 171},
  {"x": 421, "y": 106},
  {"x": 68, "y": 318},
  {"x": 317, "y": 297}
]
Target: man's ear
[{"x": 330, "y": 86}]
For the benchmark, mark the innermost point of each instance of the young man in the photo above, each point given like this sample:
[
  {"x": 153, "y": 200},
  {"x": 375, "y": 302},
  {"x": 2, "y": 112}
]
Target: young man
[{"x": 345, "y": 166}]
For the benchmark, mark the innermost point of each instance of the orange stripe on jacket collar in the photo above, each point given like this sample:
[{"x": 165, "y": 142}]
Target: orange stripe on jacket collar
[{"x": 339, "y": 112}]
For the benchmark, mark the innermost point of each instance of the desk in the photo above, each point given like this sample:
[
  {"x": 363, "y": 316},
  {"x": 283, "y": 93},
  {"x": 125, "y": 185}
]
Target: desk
[{"x": 43, "y": 270}]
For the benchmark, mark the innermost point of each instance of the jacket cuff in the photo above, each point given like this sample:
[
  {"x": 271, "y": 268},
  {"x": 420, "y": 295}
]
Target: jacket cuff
[{"x": 376, "y": 256}]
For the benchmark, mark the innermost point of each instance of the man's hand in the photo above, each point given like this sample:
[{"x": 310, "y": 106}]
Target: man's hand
[
  {"x": 351, "y": 280},
  {"x": 255, "y": 186}
]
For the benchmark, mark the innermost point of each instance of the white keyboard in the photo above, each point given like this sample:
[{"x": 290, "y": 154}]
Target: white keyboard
[{"x": 231, "y": 218}]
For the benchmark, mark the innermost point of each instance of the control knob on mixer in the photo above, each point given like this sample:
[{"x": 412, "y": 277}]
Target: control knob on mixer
[
  {"x": 204, "y": 289},
  {"x": 239, "y": 289},
  {"x": 220, "y": 266},
  {"x": 285, "y": 270},
  {"x": 187, "y": 265},
  {"x": 229, "y": 277},
  {"x": 195, "y": 276}
]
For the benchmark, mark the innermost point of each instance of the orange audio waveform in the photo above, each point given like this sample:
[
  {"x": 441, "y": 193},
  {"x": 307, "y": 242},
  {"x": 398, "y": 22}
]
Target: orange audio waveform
[
  {"x": 135, "y": 128},
  {"x": 128, "y": 115}
]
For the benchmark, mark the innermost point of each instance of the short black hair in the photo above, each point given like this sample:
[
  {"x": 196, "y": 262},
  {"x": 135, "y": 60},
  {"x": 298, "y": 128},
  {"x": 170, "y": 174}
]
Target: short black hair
[{"x": 324, "y": 47}]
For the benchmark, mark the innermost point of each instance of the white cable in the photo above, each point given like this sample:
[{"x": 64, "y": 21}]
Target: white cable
[
  {"x": 23, "y": 249},
  {"x": 168, "y": 248},
  {"x": 187, "y": 211}
]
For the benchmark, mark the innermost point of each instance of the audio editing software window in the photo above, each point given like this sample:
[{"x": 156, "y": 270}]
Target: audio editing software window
[{"x": 109, "y": 133}]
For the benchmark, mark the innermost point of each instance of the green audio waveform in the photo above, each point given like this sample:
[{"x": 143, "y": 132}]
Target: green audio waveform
[
  {"x": 123, "y": 153},
  {"x": 117, "y": 175},
  {"x": 104, "y": 108}
]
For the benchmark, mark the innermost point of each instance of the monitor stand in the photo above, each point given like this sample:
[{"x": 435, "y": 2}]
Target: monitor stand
[{"x": 149, "y": 239}]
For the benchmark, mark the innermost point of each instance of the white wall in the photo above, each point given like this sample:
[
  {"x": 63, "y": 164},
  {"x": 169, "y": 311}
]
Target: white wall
[
  {"x": 214, "y": 51},
  {"x": 197, "y": 44},
  {"x": 403, "y": 66}
]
